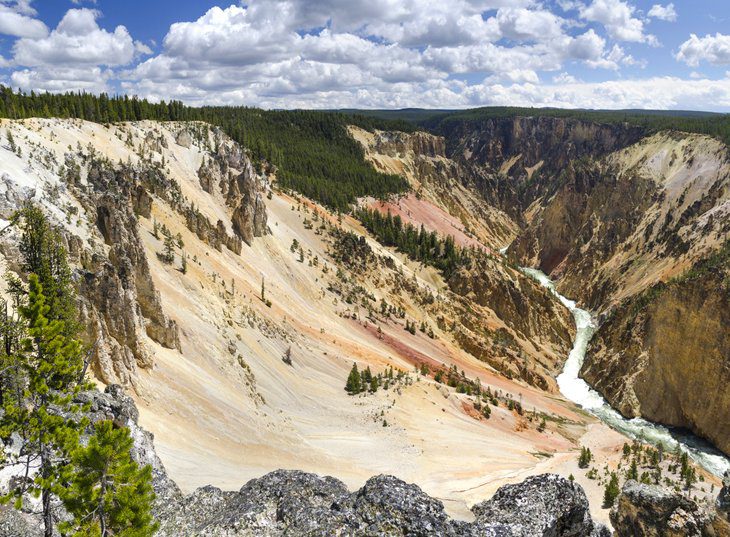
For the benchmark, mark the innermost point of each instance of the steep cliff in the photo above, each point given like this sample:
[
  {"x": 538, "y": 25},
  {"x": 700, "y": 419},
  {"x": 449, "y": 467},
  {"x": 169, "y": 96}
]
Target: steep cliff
[
  {"x": 665, "y": 353},
  {"x": 515, "y": 161},
  {"x": 638, "y": 216}
]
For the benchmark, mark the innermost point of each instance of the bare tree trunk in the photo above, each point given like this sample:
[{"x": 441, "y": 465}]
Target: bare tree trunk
[
  {"x": 102, "y": 515},
  {"x": 46, "y": 495}
]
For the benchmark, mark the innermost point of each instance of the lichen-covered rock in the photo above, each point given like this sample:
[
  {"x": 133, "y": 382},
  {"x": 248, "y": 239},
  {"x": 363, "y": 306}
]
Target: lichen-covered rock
[
  {"x": 14, "y": 523},
  {"x": 651, "y": 511},
  {"x": 388, "y": 506},
  {"x": 546, "y": 505},
  {"x": 295, "y": 503}
]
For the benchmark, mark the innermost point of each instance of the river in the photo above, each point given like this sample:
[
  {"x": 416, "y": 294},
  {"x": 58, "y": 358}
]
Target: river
[{"x": 577, "y": 390}]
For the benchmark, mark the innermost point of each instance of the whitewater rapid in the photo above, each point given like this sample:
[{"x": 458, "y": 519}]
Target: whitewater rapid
[{"x": 577, "y": 390}]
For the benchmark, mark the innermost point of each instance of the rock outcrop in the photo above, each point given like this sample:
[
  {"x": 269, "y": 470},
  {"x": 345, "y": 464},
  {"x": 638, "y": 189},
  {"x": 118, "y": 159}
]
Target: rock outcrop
[
  {"x": 120, "y": 299},
  {"x": 723, "y": 499},
  {"x": 229, "y": 173},
  {"x": 541, "y": 505},
  {"x": 288, "y": 502},
  {"x": 651, "y": 511}
]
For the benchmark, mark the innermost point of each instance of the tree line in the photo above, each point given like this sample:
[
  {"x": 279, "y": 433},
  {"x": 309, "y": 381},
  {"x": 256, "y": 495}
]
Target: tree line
[{"x": 57, "y": 455}]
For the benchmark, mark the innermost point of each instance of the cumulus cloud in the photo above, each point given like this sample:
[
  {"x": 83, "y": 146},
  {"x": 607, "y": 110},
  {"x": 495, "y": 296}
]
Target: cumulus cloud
[
  {"x": 665, "y": 13},
  {"x": 714, "y": 49},
  {"x": 371, "y": 53},
  {"x": 17, "y": 19},
  {"x": 620, "y": 20},
  {"x": 62, "y": 79},
  {"x": 77, "y": 40}
]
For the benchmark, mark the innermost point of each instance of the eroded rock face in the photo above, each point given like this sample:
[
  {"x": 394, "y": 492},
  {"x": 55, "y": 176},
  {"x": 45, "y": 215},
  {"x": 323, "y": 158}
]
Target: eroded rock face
[
  {"x": 651, "y": 511},
  {"x": 230, "y": 174},
  {"x": 399, "y": 143},
  {"x": 184, "y": 138},
  {"x": 528, "y": 309},
  {"x": 120, "y": 301},
  {"x": 665, "y": 355},
  {"x": 528, "y": 141}
]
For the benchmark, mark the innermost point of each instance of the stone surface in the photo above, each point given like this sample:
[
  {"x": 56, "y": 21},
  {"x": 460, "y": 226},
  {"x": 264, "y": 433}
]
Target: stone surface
[
  {"x": 651, "y": 511},
  {"x": 288, "y": 502},
  {"x": 547, "y": 505}
]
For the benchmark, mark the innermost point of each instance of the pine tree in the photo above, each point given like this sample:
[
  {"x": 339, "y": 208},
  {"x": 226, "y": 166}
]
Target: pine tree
[
  {"x": 43, "y": 415},
  {"x": 633, "y": 472},
  {"x": 11, "y": 141},
  {"x": 611, "y": 491},
  {"x": 168, "y": 252},
  {"x": 109, "y": 494},
  {"x": 585, "y": 457},
  {"x": 354, "y": 383},
  {"x": 374, "y": 384},
  {"x": 43, "y": 254},
  {"x": 184, "y": 263}
]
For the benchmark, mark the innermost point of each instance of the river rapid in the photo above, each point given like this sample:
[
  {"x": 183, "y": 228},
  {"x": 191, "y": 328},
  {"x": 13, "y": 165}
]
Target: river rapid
[{"x": 577, "y": 390}]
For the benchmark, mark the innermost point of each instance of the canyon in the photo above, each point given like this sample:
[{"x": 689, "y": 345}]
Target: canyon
[{"x": 633, "y": 226}]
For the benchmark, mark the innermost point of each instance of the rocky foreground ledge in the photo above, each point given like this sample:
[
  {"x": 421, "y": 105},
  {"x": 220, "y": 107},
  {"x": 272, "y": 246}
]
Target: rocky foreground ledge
[{"x": 294, "y": 503}]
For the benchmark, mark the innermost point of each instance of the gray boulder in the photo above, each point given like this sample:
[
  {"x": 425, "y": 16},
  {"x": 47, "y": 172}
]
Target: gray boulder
[
  {"x": 652, "y": 511},
  {"x": 544, "y": 505}
]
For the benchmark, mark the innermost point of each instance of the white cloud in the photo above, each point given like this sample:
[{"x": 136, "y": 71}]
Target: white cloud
[
  {"x": 373, "y": 53},
  {"x": 77, "y": 40},
  {"x": 92, "y": 80},
  {"x": 665, "y": 13},
  {"x": 564, "y": 78},
  {"x": 23, "y": 7},
  {"x": 714, "y": 49},
  {"x": 17, "y": 20},
  {"x": 529, "y": 25},
  {"x": 618, "y": 17},
  {"x": 650, "y": 93}
]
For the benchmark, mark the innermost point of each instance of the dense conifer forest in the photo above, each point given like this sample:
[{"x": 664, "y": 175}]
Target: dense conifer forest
[{"x": 418, "y": 244}]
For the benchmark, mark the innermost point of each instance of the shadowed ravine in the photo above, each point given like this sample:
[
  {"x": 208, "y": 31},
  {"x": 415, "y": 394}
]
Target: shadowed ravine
[{"x": 577, "y": 390}]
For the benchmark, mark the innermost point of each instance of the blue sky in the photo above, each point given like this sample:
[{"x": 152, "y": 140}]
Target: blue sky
[{"x": 376, "y": 53}]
